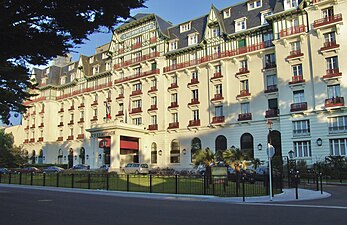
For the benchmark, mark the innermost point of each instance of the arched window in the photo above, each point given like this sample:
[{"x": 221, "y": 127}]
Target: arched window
[
  {"x": 175, "y": 152},
  {"x": 33, "y": 156},
  {"x": 221, "y": 143},
  {"x": 247, "y": 145},
  {"x": 154, "y": 153},
  {"x": 196, "y": 145},
  {"x": 82, "y": 156}
]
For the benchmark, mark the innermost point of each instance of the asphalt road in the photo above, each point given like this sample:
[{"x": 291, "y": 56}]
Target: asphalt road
[{"x": 20, "y": 206}]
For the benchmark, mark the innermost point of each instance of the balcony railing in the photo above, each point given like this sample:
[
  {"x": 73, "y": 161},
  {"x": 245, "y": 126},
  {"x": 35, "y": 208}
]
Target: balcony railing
[
  {"x": 40, "y": 139},
  {"x": 26, "y": 141},
  {"x": 217, "y": 75},
  {"x": 173, "y": 105},
  {"x": 334, "y": 102},
  {"x": 173, "y": 85},
  {"x": 120, "y": 113},
  {"x": 32, "y": 140},
  {"x": 61, "y": 110},
  {"x": 94, "y": 103},
  {"x": 71, "y": 108},
  {"x": 32, "y": 126},
  {"x": 80, "y": 136},
  {"x": 245, "y": 116},
  {"x": 136, "y": 110},
  {"x": 298, "y": 106},
  {"x": 218, "y": 119},
  {"x": 272, "y": 113},
  {"x": 120, "y": 96},
  {"x": 34, "y": 100},
  {"x": 81, "y": 106},
  {"x": 95, "y": 118},
  {"x": 153, "y": 127},
  {"x": 242, "y": 70},
  {"x": 136, "y": 92},
  {"x": 60, "y": 124},
  {"x": 136, "y": 45},
  {"x": 60, "y": 139},
  {"x": 69, "y": 138},
  {"x": 71, "y": 123},
  {"x": 193, "y": 81},
  {"x": 329, "y": 45},
  {"x": 85, "y": 90},
  {"x": 26, "y": 128},
  {"x": 153, "y": 40},
  {"x": 137, "y": 76},
  {"x": 153, "y": 107},
  {"x": 295, "y": 53},
  {"x": 271, "y": 88},
  {"x": 137, "y": 60},
  {"x": 293, "y": 30},
  {"x": 217, "y": 97},
  {"x": 153, "y": 89},
  {"x": 81, "y": 120},
  {"x": 270, "y": 65},
  {"x": 42, "y": 112},
  {"x": 331, "y": 73},
  {"x": 194, "y": 101},
  {"x": 194, "y": 123},
  {"x": 243, "y": 93},
  {"x": 297, "y": 79},
  {"x": 327, "y": 20},
  {"x": 174, "y": 125},
  {"x": 41, "y": 125}
]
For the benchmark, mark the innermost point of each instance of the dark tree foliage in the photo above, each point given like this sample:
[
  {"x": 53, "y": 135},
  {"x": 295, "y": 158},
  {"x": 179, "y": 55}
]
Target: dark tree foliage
[
  {"x": 35, "y": 31},
  {"x": 10, "y": 155}
]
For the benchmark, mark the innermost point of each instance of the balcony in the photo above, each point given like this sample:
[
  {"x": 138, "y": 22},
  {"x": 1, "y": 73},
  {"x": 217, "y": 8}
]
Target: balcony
[
  {"x": 120, "y": 113},
  {"x": 270, "y": 65},
  {"x": 295, "y": 54},
  {"x": 61, "y": 110},
  {"x": 108, "y": 99},
  {"x": 41, "y": 125},
  {"x": 81, "y": 120},
  {"x": 174, "y": 125},
  {"x": 334, "y": 102},
  {"x": 136, "y": 45},
  {"x": 193, "y": 81},
  {"x": 332, "y": 73},
  {"x": 293, "y": 30},
  {"x": 120, "y": 96},
  {"x": 298, "y": 106},
  {"x": 69, "y": 138},
  {"x": 153, "y": 89},
  {"x": 42, "y": 112},
  {"x": 271, "y": 88},
  {"x": 81, "y": 106},
  {"x": 32, "y": 140},
  {"x": 194, "y": 101},
  {"x": 153, "y": 127},
  {"x": 242, "y": 71},
  {"x": 328, "y": 45},
  {"x": 32, "y": 126},
  {"x": 153, "y": 107},
  {"x": 95, "y": 118},
  {"x": 34, "y": 113},
  {"x": 80, "y": 136},
  {"x": 297, "y": 79},
  {"x": 135, "y": 93},
  {"x": 26, "y": 141},
  {"x": 26, "y": 128},
  {"x": 182, "y": 65},
  {"x": 136, "y": 110},
  {"x": 136, "y": 60},
  {"x": 245, "y": 116},
  {"x": 217, "y": 75},
  {"x": 70, "y": 123},
  {"x": 71, "y": 108},
  {"x": 40, "y": 139},
  {"x": 243, "y": 93},
  {"x": 60, "y": 139},
  {"x": 95, "y": 103},
  {"x": 153, "y": 40},
  {"x": 272, "y": 113},
  {"x": 137, "y": 76},
  {"x": 217, "y": 97},
  {"x": 173, "y": 86},
  {"x": 173, "y": 105},
  {"x": 218, "y": 119},
  {"x": 60, "y": 124},
  {"x": 194, "y": 123},
  {"x": 327, "y": 20}
]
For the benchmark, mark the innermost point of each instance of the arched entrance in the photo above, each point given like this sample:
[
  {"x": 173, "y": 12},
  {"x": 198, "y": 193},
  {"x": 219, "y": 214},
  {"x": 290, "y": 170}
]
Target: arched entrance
[
  {"x": 274, "y": 137},
  {"x": 196, "y": 145},
  {"x": 82, "y": 156},
  {"x": 105, "y": 144},
  {"x": 247, "y": 145},
  {"x": 70, "y": 158},
  {"x": 221, "y": 143}
]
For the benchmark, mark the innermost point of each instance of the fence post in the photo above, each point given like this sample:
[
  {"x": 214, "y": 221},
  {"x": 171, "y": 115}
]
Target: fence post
[
  {"x": 176, "y": 184},
  {"x": 9, "y": 178},
  {"x": 296, "y": 186},
  {"x": 317, "y": 182},
  {"x": 72, "y": 180},
  {"x": 237, "y": 184},
  {"x": 321, "y": 183},
  {"x": 31, "y": 178},
  {"x": 44, "y": 179},
  {"x": 57, "y": 179},
  {"x": 150, "y": 183},
  {"x": 243, "y": 188},
  {"x": 88, "y": 180},
  {"x": 107, "y": 184},
  {"x": 127, "y": 182}
]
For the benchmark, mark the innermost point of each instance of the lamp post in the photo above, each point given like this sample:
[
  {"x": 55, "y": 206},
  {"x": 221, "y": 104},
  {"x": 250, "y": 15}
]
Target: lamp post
[
  {"x": 288, "y": 168},
  {"x": 295, "y": 173},
  {"x": 270, "y": 153}
]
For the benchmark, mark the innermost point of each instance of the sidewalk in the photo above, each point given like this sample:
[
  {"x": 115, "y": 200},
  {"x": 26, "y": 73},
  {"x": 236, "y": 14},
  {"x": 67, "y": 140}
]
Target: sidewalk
[{"x": 286, "y": 196}]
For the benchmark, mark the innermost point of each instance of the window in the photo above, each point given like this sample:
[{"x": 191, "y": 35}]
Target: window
[
  {"x": 185, "y": 27},
  {"x": 154, "y": 119},
  {"x": 215, "y": 31},
  {"x": 254, "y": 4},
  {"x": 297, "y": 70},
  {"x": 108, "y": 65},
  {"x": 173, "y": 45},
  {"x": 81, "y": 115},
  {"x": 137, "y": 40},
  {"x": 154, "y": 83},
  {"x": 137, "y": 87},
  {"x": 71, "y": 131},
  {"x": 226, "y": 13},
  {"x": 195, "y": 75},
  {"x": 154, "y": 153},
  {"x": 330, "y": 37},
  {"x": 243, "y": 64},
  {"x": 71, "y": 67},
  {"x": 175, "y": 152},
  {"x": 196, "y": 115},
  {"x": 96, "y": 70},
  {"x": 154, "y": 100},
  {"x": 295, "y": 46},
  {"x": 338, "y": 124},
  {"x": 174, "y": 117},
  {"x": 195, "y": 94},
  {"x": 91, "y": 59},
  {"x": 338, "y": 146},
  {"x": 271, "y": 81},
  {"x": 244, "y": 107},
  {"x": 137, "y": 104},
  {"x": 270, "y": 60},
  {"x": 137, "y": 70},
  {"x": 244, "y": 86},
  {"x": 241, "y": 43},
  {"x": 121, "y": 107},
  {"x": 62, "y": 80},
  {"x": 298, "y": 96},
  {"x": 328, "y": 12},
  {"x": 332, "y": 63},
  {"x": 219, "y": 89},
  {"x": 95, "y": 112},
  {"x": 137, "y": 55},
  {"x": 174, "y": 97},
  {"x": 273, "y": 103},
  {"x": 240, "y": 24},
  {"x": 192, "y": 39},
  {"x": 288, "y": 4},
  {"x": 264, "y": 15},
  {"x": 334, "y": 91},
  {"x": 174, "y": 79},
  {"x": 302, "y": 149},
  {"x": 301, "y": 128},
  {"x": 218, "y": 111},
  {"x": 217, "y": 69},
  {"x": 137, "y": 121}
]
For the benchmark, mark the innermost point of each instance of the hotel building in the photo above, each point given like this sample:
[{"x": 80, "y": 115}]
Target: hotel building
[{"x": 158, "y": 92}]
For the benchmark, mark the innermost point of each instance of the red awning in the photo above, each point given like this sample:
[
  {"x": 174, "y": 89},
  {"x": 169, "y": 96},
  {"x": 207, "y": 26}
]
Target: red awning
[
  {"x": 134, "y": 145},
  {"x": 105, "y": 143}
]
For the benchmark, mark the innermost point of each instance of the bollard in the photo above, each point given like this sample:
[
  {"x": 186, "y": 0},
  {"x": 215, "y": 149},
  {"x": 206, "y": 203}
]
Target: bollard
[
  {"x": 150, "y": 183},
  {"x": 317, "y": 182},
  {"x": 296, "y": 186},
  {"x": 88, "y": 180},
  {"x": 127, "y": 182},
  {"x": 44, "y": 179},
  {"x": 243, "y": 188},
  {"x": 176, "y": 184},
  {"x": 321, "y": 183},
  {"x": 31, "y": 178}
]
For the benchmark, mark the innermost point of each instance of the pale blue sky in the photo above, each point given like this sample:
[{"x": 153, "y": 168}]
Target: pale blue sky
[{"x": 175, "y": 11}]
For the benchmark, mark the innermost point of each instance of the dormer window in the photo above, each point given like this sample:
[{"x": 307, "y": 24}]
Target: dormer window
[
  {"x": 104, "y": 55},
  {"x": 215, "y": 31},
  {"x": 288, "y": 4},
  {"x": 44, "y": 80},
  {"x": 192, "y": 39},
  {"x": 185, "y": 27},
  {"x": 62, "y": 80},
  {"x": 47, "y": 70},
  {"x": 96, "y": 69},
  {"x": 91, "y": 59},
  {"x": 241, "y": 24},
  {"x": 173, "y": 45},
  {"x": 108, "y": 66},
  {"x": 264, "y": 14},
  {"x": 226, "y": 13},
  {"x": 71, "y": 67},
  {"x": 73, "y": 76},
  {"x": 254, "y": 4}
]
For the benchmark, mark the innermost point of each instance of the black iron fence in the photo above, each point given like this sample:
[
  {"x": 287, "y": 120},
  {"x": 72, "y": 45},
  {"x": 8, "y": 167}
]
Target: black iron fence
[{"x": 234, "y": 185}]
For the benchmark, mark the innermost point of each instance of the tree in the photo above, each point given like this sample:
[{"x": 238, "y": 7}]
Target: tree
[
  {"x": 35, "y": 31},
  {"x": 204, "y": 156},
  {"x": 10, "y": 155}
]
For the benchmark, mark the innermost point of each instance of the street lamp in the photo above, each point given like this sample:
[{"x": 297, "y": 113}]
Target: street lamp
[
  {"x": 270, "y": 154},
  {"x": 291, "y": 154}
]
